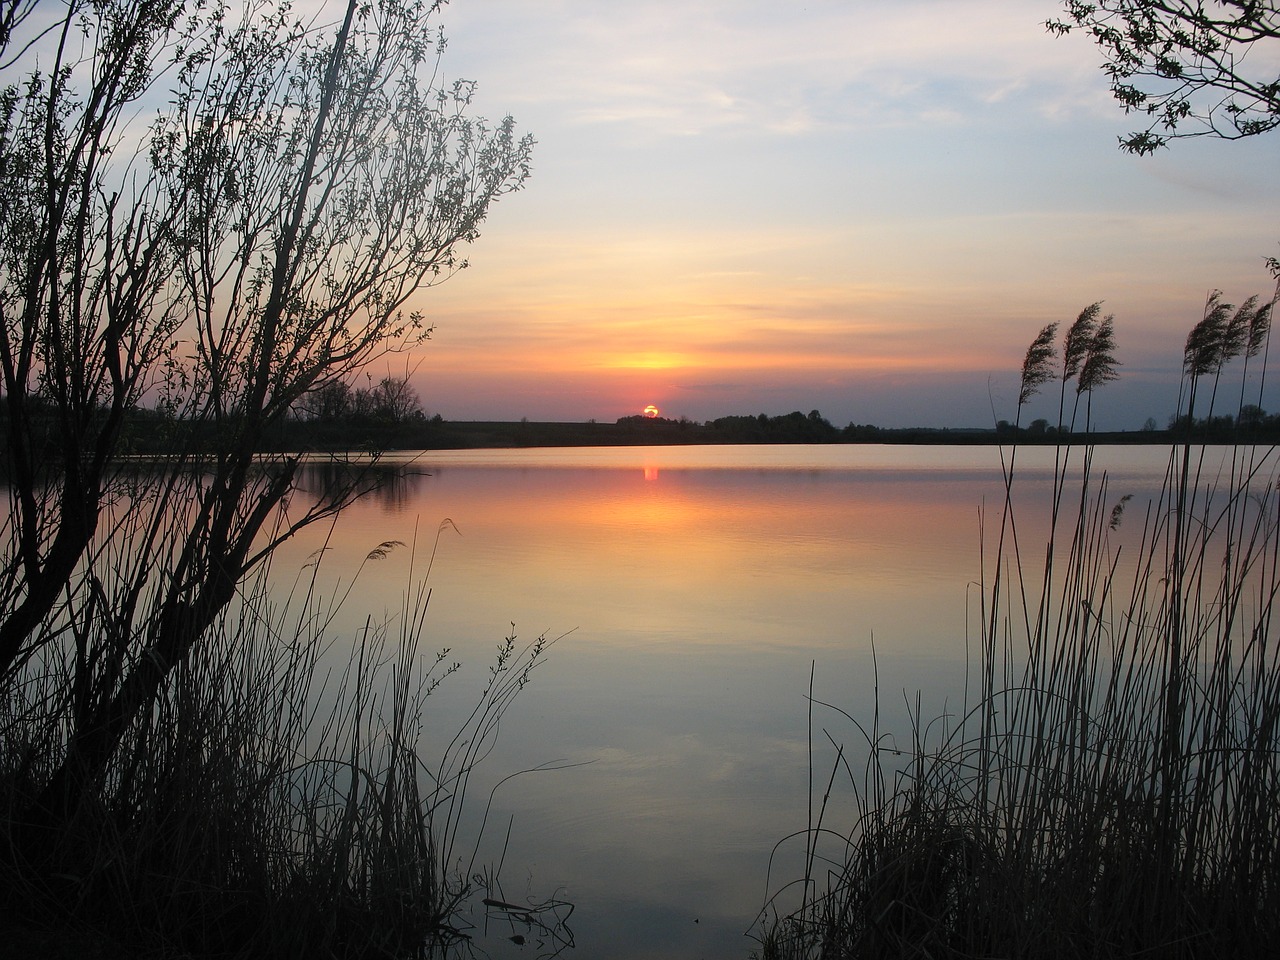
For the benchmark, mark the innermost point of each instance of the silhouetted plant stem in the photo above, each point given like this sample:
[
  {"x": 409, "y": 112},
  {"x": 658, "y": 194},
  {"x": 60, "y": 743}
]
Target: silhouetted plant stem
[{"x": 1116, "y": 797}]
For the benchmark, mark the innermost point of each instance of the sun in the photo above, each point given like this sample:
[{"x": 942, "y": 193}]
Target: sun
[{"x": 650, "y": 411}]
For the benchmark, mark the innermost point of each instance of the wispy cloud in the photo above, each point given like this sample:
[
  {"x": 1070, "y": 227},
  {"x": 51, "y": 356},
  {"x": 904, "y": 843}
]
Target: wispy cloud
[
  {"x": 680, "y": 68},
  {"x": 820, "y": 197}
]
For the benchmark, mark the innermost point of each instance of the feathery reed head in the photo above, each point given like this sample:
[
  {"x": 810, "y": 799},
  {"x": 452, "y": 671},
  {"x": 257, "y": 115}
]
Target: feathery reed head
[
  {"x": 1076, "y": 344},
  {"x": 1099, "y": 364},
  {"x": 1035, "y": 366},
  {"x": 1259, "y": 327},
  {"x": 1204, "y": 349}
]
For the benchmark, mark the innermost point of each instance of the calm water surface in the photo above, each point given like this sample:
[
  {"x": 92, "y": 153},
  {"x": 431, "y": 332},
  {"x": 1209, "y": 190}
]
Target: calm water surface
[{"x": 695, "y": 587}]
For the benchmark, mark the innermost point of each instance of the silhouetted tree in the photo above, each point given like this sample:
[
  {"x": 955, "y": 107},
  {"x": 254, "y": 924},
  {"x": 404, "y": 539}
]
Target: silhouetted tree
[
  {"x": 1194, "y": 67},
  {"x": 256, "y": 241},
  {"x": 328, "y": 403},
  {"x": 395, "y": 400},
  {"x": 1251, "y": 416}
]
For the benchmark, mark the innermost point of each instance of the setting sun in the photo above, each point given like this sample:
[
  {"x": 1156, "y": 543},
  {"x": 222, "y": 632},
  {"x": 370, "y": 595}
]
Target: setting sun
[{"x": 650, "y": 411}]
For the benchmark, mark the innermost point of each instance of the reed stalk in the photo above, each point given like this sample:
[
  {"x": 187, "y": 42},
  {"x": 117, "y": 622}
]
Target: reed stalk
[
  {"x": 1112, "y": 789},
  {"x": 277, "y": 800}
]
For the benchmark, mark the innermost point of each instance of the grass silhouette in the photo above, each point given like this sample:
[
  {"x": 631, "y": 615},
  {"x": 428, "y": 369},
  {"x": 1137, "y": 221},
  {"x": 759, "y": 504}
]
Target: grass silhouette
[
  {"x": 278, "y": 800},
  {"x": 1111, "y": 786}
]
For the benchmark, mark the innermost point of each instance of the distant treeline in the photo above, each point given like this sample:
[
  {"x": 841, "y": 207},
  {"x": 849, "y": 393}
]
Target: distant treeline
[{"x": 389, "y": 416}]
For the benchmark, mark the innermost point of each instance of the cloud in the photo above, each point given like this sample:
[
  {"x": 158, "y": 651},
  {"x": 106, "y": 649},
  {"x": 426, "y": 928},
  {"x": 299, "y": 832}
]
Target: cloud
[
  {"x": 688, "y": 67},
  {"x": 823, "y": 202}
]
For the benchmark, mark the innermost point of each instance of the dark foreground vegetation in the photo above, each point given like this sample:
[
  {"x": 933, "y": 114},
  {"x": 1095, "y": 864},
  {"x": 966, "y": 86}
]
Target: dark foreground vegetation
[
  {"x": 1110, "y": 785},
  {"x": 219, "y": 212},
  {"x": 278, "y": 799}
]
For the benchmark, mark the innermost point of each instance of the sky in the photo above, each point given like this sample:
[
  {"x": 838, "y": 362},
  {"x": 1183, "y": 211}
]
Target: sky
[{"x": 866, "y": 208}]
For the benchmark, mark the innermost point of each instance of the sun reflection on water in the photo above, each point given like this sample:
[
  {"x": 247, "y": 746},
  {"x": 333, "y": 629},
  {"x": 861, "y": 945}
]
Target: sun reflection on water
[{"x": 701, "y": 593}]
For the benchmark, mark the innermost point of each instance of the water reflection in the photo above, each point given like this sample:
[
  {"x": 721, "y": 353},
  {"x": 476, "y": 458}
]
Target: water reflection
[
  {"x": 392, "y": 486},
  {"x": 700, "y": 584}
]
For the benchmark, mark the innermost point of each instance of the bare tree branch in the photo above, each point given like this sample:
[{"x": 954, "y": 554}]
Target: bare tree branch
[{"x": 1186, "y": 64}]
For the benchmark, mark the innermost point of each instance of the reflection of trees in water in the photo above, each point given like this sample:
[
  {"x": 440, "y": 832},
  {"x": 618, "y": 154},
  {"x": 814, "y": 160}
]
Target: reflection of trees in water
[{"x": 390, "y": 485}]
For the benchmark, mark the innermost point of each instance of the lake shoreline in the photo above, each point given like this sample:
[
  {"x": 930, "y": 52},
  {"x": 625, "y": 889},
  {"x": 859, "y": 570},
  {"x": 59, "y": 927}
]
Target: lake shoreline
[{"x": 495, "y": 434}]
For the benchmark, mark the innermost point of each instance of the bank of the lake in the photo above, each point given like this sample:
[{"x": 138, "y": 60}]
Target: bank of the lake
[
  {"x": 147, "y": 432},
  {"x": 636, "y": 431}
]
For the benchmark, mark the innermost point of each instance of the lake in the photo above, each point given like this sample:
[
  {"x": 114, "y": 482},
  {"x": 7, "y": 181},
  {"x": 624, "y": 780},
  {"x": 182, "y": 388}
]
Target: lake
[{"x": 693, "y": 589}]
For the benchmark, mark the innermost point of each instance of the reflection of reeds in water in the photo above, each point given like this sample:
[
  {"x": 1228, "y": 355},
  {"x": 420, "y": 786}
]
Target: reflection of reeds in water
[
  {"x": 1112, "y": 787},
  {"x": 276, "y": 800}
]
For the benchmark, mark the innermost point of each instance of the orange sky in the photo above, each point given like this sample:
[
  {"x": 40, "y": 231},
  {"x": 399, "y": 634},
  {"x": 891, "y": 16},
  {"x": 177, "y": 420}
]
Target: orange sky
[{"x": 869, "y": 209}]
